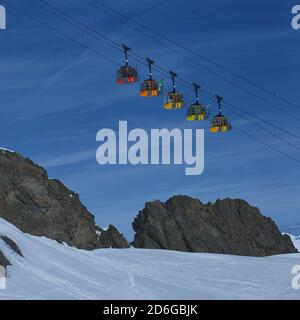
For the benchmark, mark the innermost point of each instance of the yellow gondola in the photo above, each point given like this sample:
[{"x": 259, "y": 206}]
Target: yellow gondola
[
  {"x": 219, "y": 122},
  {"x": 197, "y": 111},
  {"x": 151, "y": 87},
  {"x": 174, "y": 99}
]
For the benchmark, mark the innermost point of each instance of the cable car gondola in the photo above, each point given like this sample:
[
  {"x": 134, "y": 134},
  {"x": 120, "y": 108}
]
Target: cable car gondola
[
  {"x": 151, "y": 87},
  {"x": 126, "y": 74},
  {"x": 174, "y": 99},
  {"x": 197, "y": 111},
  {"x": 219, "y": 122}
]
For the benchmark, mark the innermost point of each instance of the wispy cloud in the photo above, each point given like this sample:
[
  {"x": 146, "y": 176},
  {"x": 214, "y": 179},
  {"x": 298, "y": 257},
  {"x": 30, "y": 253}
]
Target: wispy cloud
[{"x": 68, "y": 159}]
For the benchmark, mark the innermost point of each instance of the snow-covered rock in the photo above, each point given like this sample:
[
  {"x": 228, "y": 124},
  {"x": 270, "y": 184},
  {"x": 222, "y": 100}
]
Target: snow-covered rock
[
  {"x": 6, "y": 150},
  {"x": 49, "y": 270}
]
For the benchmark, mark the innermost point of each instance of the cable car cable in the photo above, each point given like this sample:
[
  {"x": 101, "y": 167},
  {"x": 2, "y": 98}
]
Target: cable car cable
[
  {"x": 87, "y": 47},
  {"x": 210, "y": 95},
  {"x": 127, "y": 18},
  {"x": 81, "y": 26},
  {"x": 139, "y": 58},
  {"x": 267, "y": 144},
  {"x": 264, "y": 129},
  {"x": 61, "y": 33}
]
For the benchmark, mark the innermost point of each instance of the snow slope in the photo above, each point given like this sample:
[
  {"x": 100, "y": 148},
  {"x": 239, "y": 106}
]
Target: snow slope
[{"x": 53, "y": 271}]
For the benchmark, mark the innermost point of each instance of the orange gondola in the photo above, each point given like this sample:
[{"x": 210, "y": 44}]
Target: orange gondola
[{"x": 151, "y": 87}]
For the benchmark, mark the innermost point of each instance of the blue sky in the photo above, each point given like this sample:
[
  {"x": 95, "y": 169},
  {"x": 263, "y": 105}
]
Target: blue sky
[{"x": 56, "y": 95}]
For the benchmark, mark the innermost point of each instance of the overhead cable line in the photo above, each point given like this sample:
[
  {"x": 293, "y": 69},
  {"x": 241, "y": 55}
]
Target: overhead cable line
[
  {"x": 140, "y": 59},
  {"x": 209, "y": 60},
  {"x": 96, "y": 52},
  {"x": 267, "y": 144},
  {"x": 60, "y": 32}
]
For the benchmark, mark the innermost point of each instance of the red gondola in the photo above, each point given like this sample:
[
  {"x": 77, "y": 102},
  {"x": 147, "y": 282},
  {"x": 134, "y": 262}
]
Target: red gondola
[{"x": 126, "y": 74}]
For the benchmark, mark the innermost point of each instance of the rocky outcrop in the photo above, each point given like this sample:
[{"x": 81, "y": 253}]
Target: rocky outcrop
[
  {"x": 111, "y": 238},
  {"x": 45, "y": 207},
  {"x": 12, "y": 245},
  {"x": 3, "y": 261},
  {"x": 226, "y": 226}
]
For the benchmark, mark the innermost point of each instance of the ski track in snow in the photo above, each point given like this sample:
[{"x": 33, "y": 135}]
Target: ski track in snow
[{"x": 50, "y": 270}]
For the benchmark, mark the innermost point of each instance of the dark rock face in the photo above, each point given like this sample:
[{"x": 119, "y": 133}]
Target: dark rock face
[
  {"x": 3, "y": 261},
  {"x": 111, "y": 238},
  {"x": 42, "y": 206},
  {"x": 13, "y": 246},
  {"x": 227, "y": 226}
]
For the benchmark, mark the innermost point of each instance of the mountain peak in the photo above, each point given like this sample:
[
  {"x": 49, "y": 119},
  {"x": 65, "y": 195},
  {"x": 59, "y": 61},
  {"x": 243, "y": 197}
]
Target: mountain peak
[
  {"x": 229, "y": 226},
  {"x": 46, "y": 207}
]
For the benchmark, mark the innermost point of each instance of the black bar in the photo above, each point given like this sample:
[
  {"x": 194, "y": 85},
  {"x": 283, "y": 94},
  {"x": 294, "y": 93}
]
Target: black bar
[{"x": 175, "y": 309}]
